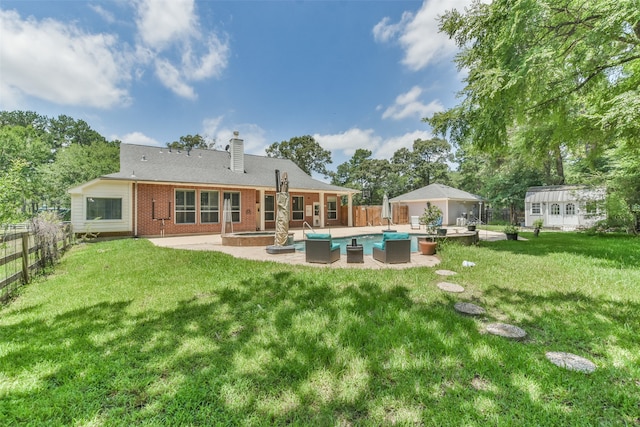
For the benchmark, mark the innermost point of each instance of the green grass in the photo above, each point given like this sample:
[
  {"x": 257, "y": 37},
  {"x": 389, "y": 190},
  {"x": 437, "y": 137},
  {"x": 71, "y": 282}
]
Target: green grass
[{"x": 125, "y": 333}]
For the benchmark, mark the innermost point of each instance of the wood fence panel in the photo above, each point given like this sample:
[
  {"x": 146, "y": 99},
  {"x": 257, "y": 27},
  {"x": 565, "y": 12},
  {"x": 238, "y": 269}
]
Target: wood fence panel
[{"x": 29, "y": 245}]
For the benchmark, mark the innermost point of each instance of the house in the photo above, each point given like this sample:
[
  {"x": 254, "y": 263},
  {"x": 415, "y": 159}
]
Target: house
[
  {"x": 564, "y": 206},
  {"x": 455, "y": 204},
  {"x": 160, "y": 191}
]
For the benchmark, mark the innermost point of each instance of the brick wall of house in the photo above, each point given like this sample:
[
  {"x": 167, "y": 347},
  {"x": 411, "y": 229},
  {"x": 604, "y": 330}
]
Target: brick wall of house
[
  {"x": 158, "y": 201},
  {"x": 164, "y": 207}
]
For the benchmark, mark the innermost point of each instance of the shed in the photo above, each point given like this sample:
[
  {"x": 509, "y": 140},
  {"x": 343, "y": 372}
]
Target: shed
[
  {"x": 567, "y": 207},
  {"x": 455, "y": 204}
]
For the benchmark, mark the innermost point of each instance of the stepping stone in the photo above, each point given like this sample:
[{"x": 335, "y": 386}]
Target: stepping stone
[
  {"x": 446, "y": 272},
  {"x": 570, "y": 361},
  {"x": 450, "y": 287},
  {"x": 505, "y": 330},
  {"x": 468, "y": 308}
]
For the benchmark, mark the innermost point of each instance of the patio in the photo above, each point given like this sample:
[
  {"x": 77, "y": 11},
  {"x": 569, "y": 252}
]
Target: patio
[{"x": 213, "y": 242}]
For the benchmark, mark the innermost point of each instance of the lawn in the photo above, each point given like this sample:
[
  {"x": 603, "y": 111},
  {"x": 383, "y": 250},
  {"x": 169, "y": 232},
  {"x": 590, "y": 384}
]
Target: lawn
[{"x": 125, "y": 333}]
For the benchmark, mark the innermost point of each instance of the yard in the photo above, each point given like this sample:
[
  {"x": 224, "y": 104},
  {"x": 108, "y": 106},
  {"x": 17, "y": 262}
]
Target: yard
[{"x": 126, "y": 333}]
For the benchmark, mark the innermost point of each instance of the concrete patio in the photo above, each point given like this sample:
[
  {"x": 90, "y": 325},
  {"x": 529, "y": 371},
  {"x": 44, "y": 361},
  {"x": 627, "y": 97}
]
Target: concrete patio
[{"x": 213, "y": 242}]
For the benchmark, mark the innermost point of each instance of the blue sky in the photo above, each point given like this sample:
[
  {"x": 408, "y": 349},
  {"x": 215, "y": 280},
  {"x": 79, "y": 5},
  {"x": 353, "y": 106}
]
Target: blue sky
[{"x": 353, "y": 74}]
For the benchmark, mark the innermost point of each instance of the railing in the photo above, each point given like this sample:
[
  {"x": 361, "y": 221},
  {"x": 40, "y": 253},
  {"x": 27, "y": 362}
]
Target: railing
[
  {"x": 22, "y": 254},
  {"x": 306, "y": 224}
]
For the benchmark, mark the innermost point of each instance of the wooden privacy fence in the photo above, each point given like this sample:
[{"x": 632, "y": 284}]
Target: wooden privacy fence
[
  {"x": 372, "y": 215},
  {"x": 23, "y": 254}
]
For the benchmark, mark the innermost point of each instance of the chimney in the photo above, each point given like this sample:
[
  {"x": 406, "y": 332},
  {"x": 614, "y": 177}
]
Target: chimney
[{"x": 237, "y": 153}]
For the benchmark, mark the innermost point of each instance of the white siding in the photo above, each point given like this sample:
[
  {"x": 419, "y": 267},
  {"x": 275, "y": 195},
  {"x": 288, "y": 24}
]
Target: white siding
[{"x": 101, "y": 189}]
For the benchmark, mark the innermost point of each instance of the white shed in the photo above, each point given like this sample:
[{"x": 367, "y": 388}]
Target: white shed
[
  {"x": 568, "y": 207},
  {"x": 455, "y": 204}
]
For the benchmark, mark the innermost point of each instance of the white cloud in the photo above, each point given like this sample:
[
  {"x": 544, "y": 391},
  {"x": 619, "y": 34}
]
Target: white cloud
[
  {"x": 138, "y": 138},
  {"x": 170, "y": 28},
  {"x": 349, "y": 141},
  {"x": 171, "y": 78},
  {"x": 160, "y": 22},
  {"x": 393, "y": 144},
  {"x": 384, "y": 32},
  {"x": 105, "y": 14},
  {"x": 418, "y": 33},
  {"x": 60, "y": 63},
  {"x": 408, "y": 105},
  {"x": 253, "y": 135}
]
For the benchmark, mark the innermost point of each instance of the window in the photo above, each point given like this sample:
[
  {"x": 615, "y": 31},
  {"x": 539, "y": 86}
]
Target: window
[
  {"x": 234, "y": 205},
  {"x": 332, "y": 207},
  {"x": 103, "y": 208},
  {"x": 570, "y": 209},
  {"x": 535, "y": 208},
  {"x": 297, "y": 208},
  {"x": 209, "y": 207},
  {"x": 269, "y": 208},
  {"x": 185, "y": 206},
  {"x": 555, "y": 209}
]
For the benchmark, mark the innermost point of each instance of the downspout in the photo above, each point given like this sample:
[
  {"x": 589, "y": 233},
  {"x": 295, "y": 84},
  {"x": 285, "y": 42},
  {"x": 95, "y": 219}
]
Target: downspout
[{"x": 135, "y": 209}]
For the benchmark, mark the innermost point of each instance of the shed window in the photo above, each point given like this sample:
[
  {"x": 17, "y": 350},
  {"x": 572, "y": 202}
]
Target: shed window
[
  {"x": 535, "y": 208},
  {"x": 570, "y": 209},
  {"x": 555, "y": 209},
  {"x": 103, "y": 208}
]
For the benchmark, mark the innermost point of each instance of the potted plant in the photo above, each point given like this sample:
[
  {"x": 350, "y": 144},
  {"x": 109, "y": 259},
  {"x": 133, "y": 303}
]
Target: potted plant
[
  {"x": 537, "y": 225},
  {"x": 429, "y": 218},
  {"x": 511, "y": 231}
]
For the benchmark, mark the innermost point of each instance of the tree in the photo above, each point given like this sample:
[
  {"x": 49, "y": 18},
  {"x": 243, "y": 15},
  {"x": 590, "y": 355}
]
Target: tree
[
  {"x": 556, "y": 80},
  {"x": 568, "y": 65},
  {"x": 77, "y": 164},
  {"x": 305, "y": 152},
  {"x": 430, "y": 159},
  {"x": 14, "y": 184},
  {"x": 373, "y": 175},
  {"x": 189, "y": 142}
]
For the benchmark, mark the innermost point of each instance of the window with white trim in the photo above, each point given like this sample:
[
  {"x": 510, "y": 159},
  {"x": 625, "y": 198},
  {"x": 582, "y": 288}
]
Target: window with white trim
[
  {"x": 269, "y": 207},
  {"x": 555, "y": 209},
  {"x": 99, "y": 208},
  {"x": 234, "y": 204},
  {"x": 209, "y": 207},
  {"x": 570, "y": 209},
  {"x": 535, "y": 208},
  {"x": 185, "y": 206},
  {"x": 297, "y": 208},
  {"x": 332, "y": 207}
]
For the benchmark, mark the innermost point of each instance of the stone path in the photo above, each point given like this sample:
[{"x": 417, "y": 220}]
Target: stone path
[
  {"x": 568, "y": 361},
  {"x": 446, "y": 273},
  {"x": 450, "y": 287},
  {"x": 468, "y": 308},
  {"x": 571, "y": 361},
  {"x": 506, "y": 330}
]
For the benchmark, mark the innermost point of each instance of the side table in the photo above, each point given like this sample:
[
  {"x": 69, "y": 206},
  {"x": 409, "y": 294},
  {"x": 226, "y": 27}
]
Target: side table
[{"x": 355, "y": 254}]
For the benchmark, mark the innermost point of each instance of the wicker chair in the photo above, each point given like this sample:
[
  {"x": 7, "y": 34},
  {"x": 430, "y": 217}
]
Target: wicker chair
[
  {"x": 395, "y": 248},
  {"x": 320, "y": 249}
]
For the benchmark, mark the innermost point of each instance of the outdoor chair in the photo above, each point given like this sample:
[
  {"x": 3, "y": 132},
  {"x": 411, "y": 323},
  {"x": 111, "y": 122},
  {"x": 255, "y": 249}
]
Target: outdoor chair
[
  {"x": 319, "y": 248},
  {"x": 395, "y": 248},
  {"x": 415, "y": 222}
]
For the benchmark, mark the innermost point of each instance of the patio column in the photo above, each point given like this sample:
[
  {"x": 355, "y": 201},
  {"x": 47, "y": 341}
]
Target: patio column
[
  {"x": 323, "y": 208},
  {"x": 350, "y": 210}
]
